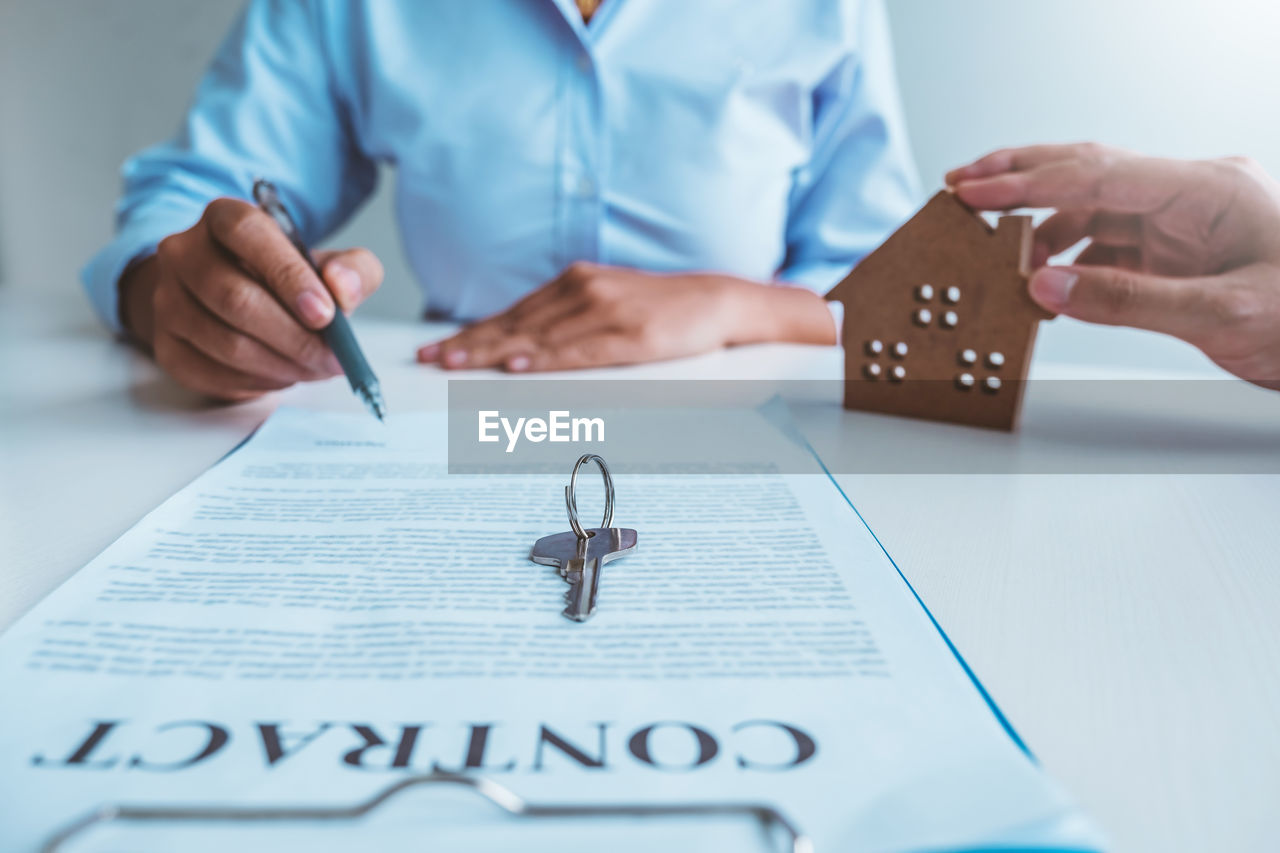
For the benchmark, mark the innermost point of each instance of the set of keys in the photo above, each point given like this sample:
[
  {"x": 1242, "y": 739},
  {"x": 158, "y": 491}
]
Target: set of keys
[{"x": 580, "y": 553}]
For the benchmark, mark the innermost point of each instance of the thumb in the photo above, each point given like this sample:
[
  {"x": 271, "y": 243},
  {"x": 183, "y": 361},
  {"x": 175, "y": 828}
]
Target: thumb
[
  {"x": 1117, "y": 297},
  {"x": 352, "y": 275}
]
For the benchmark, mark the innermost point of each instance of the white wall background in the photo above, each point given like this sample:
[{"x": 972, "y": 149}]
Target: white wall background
[{"x": 85, "y": 82}]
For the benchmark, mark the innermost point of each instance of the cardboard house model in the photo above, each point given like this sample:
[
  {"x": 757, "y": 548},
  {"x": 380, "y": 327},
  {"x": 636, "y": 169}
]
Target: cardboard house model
[{"x": 938, "y": 323}]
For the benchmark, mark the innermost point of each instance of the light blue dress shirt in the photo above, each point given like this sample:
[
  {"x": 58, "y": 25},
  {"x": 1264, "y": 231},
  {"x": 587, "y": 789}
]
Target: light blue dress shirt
[{"x": 759, "y": 138}]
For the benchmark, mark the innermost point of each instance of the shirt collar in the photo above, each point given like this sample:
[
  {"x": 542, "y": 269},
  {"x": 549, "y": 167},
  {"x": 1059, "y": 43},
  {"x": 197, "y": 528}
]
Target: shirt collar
[{"x": 586, "y": 34}]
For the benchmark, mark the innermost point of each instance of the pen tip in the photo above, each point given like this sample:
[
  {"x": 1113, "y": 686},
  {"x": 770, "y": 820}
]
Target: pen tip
[
  {"x": 371, "y": 395},
  {"x": 376, "y": 405}
]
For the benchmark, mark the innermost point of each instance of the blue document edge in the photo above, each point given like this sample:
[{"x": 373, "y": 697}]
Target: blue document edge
[
  {"x": 973, "y": 677},
  {"x": 776, "y": 411},
  {"x": 1084, "y": 836}
]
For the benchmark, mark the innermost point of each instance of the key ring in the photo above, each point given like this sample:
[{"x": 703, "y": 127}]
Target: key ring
[{"x": 571, "y": 501}]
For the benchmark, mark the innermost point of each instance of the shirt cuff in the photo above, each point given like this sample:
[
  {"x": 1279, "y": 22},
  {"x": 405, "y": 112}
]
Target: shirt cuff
[
  {"x": 820, "y": 278},
  {"x": 135, "y": 241}
]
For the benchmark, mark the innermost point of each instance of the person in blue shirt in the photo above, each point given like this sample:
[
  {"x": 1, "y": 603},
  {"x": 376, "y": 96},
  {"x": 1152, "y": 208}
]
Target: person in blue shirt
[{"x": 586, "y": 186}]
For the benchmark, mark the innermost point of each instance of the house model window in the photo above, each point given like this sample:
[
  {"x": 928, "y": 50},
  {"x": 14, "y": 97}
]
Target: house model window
[{"x": 937, "y": 321}]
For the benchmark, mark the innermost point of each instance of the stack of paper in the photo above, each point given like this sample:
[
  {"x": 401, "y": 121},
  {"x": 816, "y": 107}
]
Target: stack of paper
[{"x": 326, "y": 611}]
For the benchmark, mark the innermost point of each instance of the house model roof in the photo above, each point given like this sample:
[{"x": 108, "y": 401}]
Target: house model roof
[{"x": 938, "y": 323}]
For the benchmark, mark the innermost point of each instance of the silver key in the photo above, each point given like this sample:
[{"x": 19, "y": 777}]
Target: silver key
[
  {"x": 580, "y": 561},
  {"x": 580, "y": 554}
]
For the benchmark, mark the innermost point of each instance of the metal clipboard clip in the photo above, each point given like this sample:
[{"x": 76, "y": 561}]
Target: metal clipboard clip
[{"x": 500, "y": 796}]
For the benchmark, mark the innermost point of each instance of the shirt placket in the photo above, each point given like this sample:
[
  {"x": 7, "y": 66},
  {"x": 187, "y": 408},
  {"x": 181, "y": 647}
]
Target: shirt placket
[{"x": 580, "y": 159}]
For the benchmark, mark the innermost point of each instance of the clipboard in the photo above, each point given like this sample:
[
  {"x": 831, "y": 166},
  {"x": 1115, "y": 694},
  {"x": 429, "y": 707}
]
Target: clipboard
[{"x": 774, "y": 824}]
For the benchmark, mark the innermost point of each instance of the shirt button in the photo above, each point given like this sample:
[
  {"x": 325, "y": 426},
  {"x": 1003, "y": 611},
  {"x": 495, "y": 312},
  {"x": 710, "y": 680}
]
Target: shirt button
[
  {"x": 584, "y": 62},
  {"x": 586, "y": 187}
]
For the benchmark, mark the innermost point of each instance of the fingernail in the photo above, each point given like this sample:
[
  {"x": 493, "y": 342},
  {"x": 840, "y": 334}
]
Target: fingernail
[
  {"x": 455, "y": 358},
  {"x": 345, "y": 280},
  {"x": 429, "y": 353},
  {"x": 518, "y": 363},
  {"x": 335, "y": 366},
  {"x": 1051, "y": 287},
  {"x": 313, "y": 309}
]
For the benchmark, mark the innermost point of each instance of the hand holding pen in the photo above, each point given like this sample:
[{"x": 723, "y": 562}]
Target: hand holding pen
[
  {"x": 230, "y": 309},
  {"x": 337, "y": 332}
]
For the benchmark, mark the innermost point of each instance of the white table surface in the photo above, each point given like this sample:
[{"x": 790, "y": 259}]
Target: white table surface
[{"x": 1127, "y": 623}]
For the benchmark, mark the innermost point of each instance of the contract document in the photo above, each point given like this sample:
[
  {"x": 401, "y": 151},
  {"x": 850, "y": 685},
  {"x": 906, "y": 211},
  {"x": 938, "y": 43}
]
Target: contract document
[{"x": 328, "y": 610}]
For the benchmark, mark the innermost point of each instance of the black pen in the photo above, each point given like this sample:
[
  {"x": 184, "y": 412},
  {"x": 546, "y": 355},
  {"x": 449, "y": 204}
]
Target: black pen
[{"x": 337, "y": 334}]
